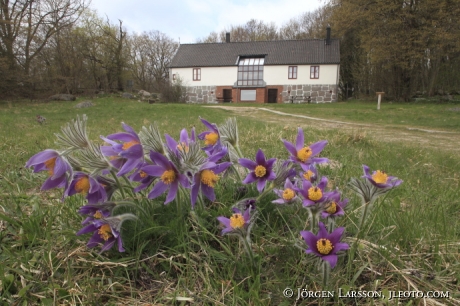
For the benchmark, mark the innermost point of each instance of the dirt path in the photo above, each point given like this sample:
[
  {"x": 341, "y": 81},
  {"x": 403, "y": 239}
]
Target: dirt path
[{"x": 444, "y": 140}]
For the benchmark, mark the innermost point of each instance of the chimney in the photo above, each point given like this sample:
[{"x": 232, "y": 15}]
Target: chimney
[
  {"x": 328, "y": 35},
  {"x": 227, "y": 37}
]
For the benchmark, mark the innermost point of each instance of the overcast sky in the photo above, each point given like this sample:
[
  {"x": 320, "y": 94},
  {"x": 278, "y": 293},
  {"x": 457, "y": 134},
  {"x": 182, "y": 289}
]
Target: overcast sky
[{"x": 193, "y": 19}]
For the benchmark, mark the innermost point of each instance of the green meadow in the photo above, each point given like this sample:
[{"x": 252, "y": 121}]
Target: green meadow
[{"x": 176, "y": 256}]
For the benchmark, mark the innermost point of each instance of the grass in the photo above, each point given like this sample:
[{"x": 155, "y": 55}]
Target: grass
[
  {"x": 178, "y": 257},
  {"x": 445, "y": 116}
]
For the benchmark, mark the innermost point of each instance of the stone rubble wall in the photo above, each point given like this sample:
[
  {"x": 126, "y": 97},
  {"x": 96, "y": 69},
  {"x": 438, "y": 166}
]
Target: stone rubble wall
[
  {"x": 322, "y": 93},
  {"x": 201, "y": 94}
]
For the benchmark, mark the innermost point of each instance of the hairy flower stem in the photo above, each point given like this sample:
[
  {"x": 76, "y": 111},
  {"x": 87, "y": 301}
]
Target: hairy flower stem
[
  {"x": 265, "y": 192},
  {"x": 114, "y": 175},
  {"x": 326, "y": 271},
  {"x": 248, "y": 248}
]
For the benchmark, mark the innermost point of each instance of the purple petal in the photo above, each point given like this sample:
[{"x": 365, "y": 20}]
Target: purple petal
[
  {"x": 310, "y": 239},
  {"x": 291, "y": 148},
  {"x": 260, "y": 158},
  {"x": 323, "y": 183},
  {"x": 195, "y": 190},
  {"x": 300, "y": 142},
  {"x": 134, "y": 152},
  {"x": 129, "y": 129},
  {"x": 210, "y": 126},
  {"x": 322, "y": 231},
  {"x": 41, "y": 157},
  {"x": 158, "y": 190},
  {"x": 154, "y": 170},
  {"x": 128, "y": 166},
  {"x": 317, "y": 147},
  {"x": 87, "y": 229},
  {"x": 261, "y": 184},
  {"x": 366, "y": 170},
  {"x": 340, "y": 246},
  {"x": 250, "y": 178},
  {"x": 208, "y": 192},
  {"x": 108, "y": 244},
  {"x": 335, "y": 236},
  {"x": 50, "y": 183},
  {"x": 125, "y": 137},
  {"x": 247, "y": 163},
  {"x": 171, "y": 143},
  {"x": 331, "y": 258},
  {"x": 172, "y": 191},
  {"x": 120, "y": 245},
  {"x": 160, "y": 160},
  {"x": 95, "y": 240},
  {"x": 225, "y": 221}
]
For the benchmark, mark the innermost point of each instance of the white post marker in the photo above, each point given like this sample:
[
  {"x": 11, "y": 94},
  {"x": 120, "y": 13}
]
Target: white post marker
[{"x": 380, "y": 94}]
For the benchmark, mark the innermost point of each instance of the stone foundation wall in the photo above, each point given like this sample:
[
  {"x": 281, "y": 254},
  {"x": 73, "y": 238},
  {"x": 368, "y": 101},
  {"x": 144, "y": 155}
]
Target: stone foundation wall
[
  {"x": 318, "y": 93},
  {"x": 322, "y": 93},
  {"x": 201, "y": 94}
]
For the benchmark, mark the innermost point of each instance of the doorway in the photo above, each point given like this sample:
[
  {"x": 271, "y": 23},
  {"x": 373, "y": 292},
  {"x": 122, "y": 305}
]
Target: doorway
[
  {"x": 227, "y": 95},
  {"x": 272, "y": 95}
]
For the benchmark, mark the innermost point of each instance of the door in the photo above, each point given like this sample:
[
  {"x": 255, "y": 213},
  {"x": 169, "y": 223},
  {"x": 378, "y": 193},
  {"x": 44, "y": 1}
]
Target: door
[
  {"x": 227, "y": 95},
  {"x": 272, "y": 95}
]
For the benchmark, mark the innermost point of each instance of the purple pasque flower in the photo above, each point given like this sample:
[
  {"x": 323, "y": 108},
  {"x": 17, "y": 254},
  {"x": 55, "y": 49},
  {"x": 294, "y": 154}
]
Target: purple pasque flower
[
  {"x": 184, "y": 141},
  {"x": 211, "y": 137},
  {"x": 169, "y": 177},
  {"x": 380, "y": 178},
  {"x": 129, "y": 149},
  {"x": 334, "y": 207},
  {"x": 106, "y": 231},
  {"x": 56, "y": 165},
  {"x": 303, "y": 154},
  {"x": 287, "y": 195},
  {"x": 88, "y": 186},
  {"x": 310, "y": 173},
  {"x": 325, "y": 245},
  {"x": 142, "y": 177},
  {"x": 313, "y": 194},
  {"x": 206, "y": 178},
  {"x": 261, "y": 170},
  {"x": 237, "y": 222},
  {"x": 96, "y": 211}
]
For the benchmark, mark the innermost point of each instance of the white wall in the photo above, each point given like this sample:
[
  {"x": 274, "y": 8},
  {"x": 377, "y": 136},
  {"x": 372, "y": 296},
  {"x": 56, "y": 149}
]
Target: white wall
[
  {"x": 273, "y": 75},
  {"x": 278, "y": 75},
  {"x": 218, "y": 76}
]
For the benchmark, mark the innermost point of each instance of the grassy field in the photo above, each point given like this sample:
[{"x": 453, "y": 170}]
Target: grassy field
[
  {"x": 445, "y": 116},
  {"x": 175, "y": 256}
]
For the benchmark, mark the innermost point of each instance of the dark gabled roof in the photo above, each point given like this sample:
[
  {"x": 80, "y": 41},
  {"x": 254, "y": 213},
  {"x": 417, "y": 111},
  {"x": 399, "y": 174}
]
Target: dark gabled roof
[{"x": 279, "y": 52}]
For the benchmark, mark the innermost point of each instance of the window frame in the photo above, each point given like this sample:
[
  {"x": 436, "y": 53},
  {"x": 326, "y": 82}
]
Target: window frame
[
  {"x": 174, "y": 76},
  {"x": 314, "y": 72},
  {"x": 292, "y": 72},
  {"x": 250, "y": 72},
  {"x": 196, "y": 74}
]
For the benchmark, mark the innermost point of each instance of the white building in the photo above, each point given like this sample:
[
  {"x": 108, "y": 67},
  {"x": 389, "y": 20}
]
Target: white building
[{"x": 261, "y": 71}]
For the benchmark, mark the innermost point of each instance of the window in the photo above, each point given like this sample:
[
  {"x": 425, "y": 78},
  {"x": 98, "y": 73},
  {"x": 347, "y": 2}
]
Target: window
[
  {"x": 292, "y": 74},
  {"x": 314, "y": 72},
  {"x": 197, "y": 74},
  {"x": 174, "y": 77},
  {"x": 248, "y": 95},
  {"x": 251, "y": 72}
]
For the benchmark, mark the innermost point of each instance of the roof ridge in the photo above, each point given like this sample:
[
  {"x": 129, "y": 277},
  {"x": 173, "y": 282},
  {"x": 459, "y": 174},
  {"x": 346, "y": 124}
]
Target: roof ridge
[{"x": 256, "y": 41}]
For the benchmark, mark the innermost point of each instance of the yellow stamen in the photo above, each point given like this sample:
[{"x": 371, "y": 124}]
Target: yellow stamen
[
  {"x": 105, "y": 232},
  {"x": 380, "y": 177},
  {"x": 209, "y": 178},
  {"x": 168, "y": 177},
  {"x": 183, "y": 147},
  {"x": 324, "y": 246},
  {"x": 304, "y": 154},
  {"x": 288, "y": 194},
  {"x": 129, "y": 144},
  {"x": 82, "y": 185},
  {"x": 308, "y": 175},
  {"x": 314, "y": 194},
  {"x": 260, "y": 171},
  {"x": 49, "y": 164},
  {"x": 98, "y": 214},
  {"x": 332, "y": 209},
  {"x": 142, "y": 174},
  {"x": 211, "y": 139},
  {"x": 237, "y": 221}
]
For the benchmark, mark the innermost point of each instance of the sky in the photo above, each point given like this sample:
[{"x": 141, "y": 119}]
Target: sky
[{"x": 189, "y": 20}]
